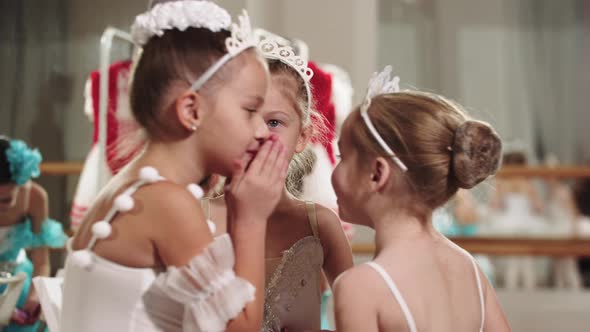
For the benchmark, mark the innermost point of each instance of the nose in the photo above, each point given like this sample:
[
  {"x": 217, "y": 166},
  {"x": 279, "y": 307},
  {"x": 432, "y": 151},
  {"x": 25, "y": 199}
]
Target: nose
[{"x": 261, "y": 132}]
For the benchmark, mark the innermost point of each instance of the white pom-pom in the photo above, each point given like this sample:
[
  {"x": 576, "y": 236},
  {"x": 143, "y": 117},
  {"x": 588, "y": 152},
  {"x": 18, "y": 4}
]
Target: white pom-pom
[
  {"x": 101, "y": 229},
  {"x": 124, "y": 203},
  {"x": 196, "y": 190},
  {"x": 149, "y": 174},
  {"x": 212, "y": 226},
  {"x": 81, "y": 258}
]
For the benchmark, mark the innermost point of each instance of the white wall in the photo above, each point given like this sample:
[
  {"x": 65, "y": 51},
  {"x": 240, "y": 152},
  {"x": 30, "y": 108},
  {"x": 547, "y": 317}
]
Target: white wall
[{"x": 340, "y": 32}]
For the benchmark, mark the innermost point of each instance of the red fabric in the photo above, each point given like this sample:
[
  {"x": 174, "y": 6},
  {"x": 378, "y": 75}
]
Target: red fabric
[
  {"x": 114, "y": 126},
  {"x": 321, "y": 87}
]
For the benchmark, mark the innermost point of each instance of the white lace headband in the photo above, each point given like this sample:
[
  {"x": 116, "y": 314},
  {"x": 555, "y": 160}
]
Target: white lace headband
[
  {"x": 272, "y": 49},
  {"x": 381, "y": 83},
  {"x": 196, "y": 14},
  {"x": 179, "y": 15}
]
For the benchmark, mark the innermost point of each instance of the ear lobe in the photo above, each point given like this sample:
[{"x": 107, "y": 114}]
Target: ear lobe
[
  {"x": 303, "y": 139},
  {"x": 380, "y": 173},
  {"x": 187, "y": 108}
]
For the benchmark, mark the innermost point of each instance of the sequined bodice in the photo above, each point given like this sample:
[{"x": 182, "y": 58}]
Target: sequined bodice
[{"x": 293, "y": 290}]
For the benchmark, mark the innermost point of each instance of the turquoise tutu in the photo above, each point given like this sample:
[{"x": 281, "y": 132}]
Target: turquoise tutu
[{"x": 21, "y": 237}]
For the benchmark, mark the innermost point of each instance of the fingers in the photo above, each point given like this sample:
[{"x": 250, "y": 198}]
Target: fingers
[
  {"x": 273, "y": 160},
  {"x": 257, "y": 165},
  {"x": 278, "y": 167},
  {"x": 234, "y": 181}
]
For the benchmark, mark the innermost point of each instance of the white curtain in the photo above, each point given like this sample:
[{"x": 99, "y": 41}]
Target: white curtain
[
  {"x": 522, "y": 65},
  {"x": 554, "y": 60}
]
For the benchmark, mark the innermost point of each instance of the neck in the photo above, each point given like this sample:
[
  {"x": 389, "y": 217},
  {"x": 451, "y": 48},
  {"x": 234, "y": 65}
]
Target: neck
[
  {"x": 396, "y": 226},
  {"x": 286, "y": 200},
  {"x": 178, "y": 162}
]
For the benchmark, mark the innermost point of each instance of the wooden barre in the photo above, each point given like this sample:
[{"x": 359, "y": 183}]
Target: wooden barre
[
  {"x": 75, "y": 167},
  {"x": 61, "y": 168},
  {"x": 546, "y": 172},
  {"x": 552, "y": 247},
  {"x": 565, "y": 247},
  {"x": 499, "y": 246}
]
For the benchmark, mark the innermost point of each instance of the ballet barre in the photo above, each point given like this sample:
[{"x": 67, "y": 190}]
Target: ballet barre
[
  {"x": 547, "y": 247},
  {"x": 513, "y": 246},
  {"x": 61, "y": 168},
  {"x": 565, "y": 172}
]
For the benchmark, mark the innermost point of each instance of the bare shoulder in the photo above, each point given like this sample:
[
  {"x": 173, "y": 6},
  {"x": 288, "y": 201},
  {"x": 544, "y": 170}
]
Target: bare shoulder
[
  {"x": 167, "y": 203},
  {"x": 328, "y": 221},
  {"x": 349, "y": 283},
  {"x": 38, "y": 205},
  {"x": 38, "y": 195},
  {"x": 178, "y": 226},
  {"x": 356, "y": 306}
]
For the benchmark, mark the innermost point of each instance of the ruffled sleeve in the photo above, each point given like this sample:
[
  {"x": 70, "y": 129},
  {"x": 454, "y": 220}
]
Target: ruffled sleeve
[
  {"x": 208, "y": 288},
  {"x": 51, "y": 235}
]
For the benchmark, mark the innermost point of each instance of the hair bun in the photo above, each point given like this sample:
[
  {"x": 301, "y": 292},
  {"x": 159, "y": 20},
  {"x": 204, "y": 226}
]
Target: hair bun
[{"x": 477, "y": 150}]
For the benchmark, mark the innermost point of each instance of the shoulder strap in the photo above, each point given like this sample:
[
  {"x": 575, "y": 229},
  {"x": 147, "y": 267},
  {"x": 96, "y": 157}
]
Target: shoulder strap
[
  {"x": 480, "y": 292},
  {"x": 206, "y": 205},
  {"x": 122, "y": 203},
  {"x": 396, "y": 293},
  {"x": 313, "y": 218},
  {"x": 26, "y": 197}
]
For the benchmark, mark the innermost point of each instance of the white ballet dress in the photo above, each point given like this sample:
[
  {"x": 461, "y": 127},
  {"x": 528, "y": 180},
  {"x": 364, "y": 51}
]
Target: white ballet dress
[
  {"x": 100, "y": 295},
  {"x": 411, "y": 323}
]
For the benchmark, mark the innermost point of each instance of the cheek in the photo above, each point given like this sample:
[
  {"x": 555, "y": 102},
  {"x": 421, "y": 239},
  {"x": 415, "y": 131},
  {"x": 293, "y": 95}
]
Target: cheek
[
  {"x": 289, "y": 139},
  {"x": 240, "y": 127},
  {"x": 286, "y": 136},
  {"x": 336, "y": 180}
]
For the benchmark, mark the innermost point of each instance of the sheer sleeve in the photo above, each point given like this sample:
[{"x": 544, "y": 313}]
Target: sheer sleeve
[{"x": 207, "y": 287}]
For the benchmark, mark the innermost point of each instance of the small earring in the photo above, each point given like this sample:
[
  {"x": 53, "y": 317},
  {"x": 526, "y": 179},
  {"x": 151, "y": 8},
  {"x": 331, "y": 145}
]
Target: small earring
[{"x": 194, "y": 127}]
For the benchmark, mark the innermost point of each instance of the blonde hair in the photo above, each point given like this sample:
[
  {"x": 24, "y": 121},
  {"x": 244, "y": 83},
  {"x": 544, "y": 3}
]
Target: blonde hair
[
  {"x": 443, "y": 149},
  {"x": 294, "y": 88}
]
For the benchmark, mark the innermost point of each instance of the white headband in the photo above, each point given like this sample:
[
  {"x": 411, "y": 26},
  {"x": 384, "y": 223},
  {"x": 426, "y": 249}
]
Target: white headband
[
  {"x": 196, "y": 14},
  {"x": 381, "y": 83}
]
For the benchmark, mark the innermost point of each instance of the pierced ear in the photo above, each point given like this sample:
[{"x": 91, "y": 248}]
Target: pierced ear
[
  {"x": 188, "y": 110},
  {"x": 303, "y": 139},
  {"x": 380, "y": 173}
]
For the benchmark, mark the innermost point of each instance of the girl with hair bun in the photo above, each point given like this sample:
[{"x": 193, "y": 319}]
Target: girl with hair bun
[{"x": 403, "y": 154}]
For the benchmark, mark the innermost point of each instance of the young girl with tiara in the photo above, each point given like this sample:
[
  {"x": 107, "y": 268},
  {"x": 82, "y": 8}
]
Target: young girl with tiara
[
  {"x": 303, "y": 239},
  {"x": 24, "y": 225},
  {"x": 144, "y": 258},
  {"x": 403, "y": 154}
]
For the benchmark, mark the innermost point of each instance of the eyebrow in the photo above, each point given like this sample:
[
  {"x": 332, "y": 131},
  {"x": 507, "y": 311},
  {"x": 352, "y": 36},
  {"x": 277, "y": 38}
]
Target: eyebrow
[{"x": 278, "y": 112}]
